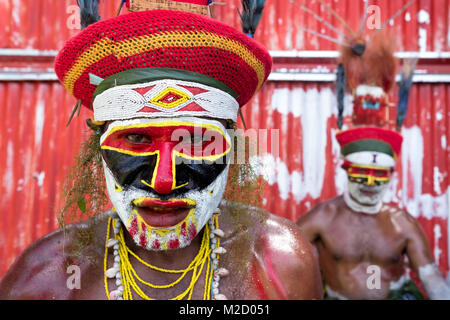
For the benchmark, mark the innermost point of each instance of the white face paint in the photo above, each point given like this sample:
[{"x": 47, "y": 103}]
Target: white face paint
[
  {"x": 180, "y": 235},
  {"x": 367, "y": 195}
]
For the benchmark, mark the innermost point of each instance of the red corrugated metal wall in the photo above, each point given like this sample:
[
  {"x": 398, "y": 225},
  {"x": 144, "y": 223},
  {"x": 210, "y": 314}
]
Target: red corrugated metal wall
[{"x": 37, "y": 148}]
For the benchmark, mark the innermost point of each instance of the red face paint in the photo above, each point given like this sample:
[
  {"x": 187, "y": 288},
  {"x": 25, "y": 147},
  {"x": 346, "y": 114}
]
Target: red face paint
[
  {"x": 368, "y": 175},
  {"x": 168, "y": 144}
]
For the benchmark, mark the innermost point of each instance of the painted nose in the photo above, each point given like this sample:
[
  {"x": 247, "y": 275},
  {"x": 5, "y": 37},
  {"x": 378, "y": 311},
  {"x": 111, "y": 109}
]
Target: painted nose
[
  {"x": 163, "y": 179},
  {"x": 370, "y": 181}
]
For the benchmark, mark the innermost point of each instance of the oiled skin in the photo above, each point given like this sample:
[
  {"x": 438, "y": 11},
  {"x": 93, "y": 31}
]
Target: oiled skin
[
  {"x": 267, "y": 256},
  {"x": 348, "y": 242}
]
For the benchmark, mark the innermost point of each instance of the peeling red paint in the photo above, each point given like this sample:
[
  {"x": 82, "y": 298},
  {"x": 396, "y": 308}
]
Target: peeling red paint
[{"x": 38, "y": 149}]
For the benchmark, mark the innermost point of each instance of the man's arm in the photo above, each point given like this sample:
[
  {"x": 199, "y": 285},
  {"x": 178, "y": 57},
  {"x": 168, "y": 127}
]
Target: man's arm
[
  {"x": 313, "y": 222},
  {"x": 422, "y": 262},
  {"x": 38, "y": 273},
  {"x": 286, "y": 266},
  {"x": 309, "y": 223}
]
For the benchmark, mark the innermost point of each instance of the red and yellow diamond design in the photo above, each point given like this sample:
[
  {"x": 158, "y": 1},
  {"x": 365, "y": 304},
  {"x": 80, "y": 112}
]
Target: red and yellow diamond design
[{"x": 170, "y": 98}]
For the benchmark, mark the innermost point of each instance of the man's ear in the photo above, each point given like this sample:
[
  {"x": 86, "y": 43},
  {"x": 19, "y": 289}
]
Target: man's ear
[{"x": 97, "y": 126}]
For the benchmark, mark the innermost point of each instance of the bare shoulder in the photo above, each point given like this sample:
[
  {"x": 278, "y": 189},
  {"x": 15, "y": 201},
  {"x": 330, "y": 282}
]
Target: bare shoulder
[
  {"x": 323, "y": 211},
  {"x": 402, "y": 219},
  {"x": 320, "y": 217},
  {"x": 41, "y": 270},
  {"x": 417, "y": 246},
  {"x": 283, "y": 263},
  {"x": 36, "y": 270},
  {"x": 294, "y": 258}
]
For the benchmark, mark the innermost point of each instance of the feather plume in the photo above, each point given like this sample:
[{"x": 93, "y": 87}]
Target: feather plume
[
  {"x": 88, "y": 12},
  {"x": 394, "y": 16},
  {"x": 340, "y": 94},
  {"x": 371, "y": 63},
  {"x": 251, "y": 15},
  {"x": 338, "y": 17},
  {"x": 409, "y": 66},
  {"x": 321, "y": 20}
]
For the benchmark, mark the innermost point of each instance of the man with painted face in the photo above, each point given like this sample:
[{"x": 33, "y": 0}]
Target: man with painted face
[
  {"x": 164, "y": 86},
  {"x": 362, "y": 242}
]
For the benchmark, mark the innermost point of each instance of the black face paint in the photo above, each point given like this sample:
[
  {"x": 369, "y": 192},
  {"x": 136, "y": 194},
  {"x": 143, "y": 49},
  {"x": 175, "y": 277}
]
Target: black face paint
[{"x": 130, "y": 171}]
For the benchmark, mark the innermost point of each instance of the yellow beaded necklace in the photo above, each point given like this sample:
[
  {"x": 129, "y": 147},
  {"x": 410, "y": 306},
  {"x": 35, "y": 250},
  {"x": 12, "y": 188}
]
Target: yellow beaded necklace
[{"x": 126, "y": 275}]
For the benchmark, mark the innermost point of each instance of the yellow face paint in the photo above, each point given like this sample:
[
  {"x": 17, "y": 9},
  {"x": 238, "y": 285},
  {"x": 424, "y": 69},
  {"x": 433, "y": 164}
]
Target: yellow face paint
[
  {"x": 369, "y": 175},
  {"x": 169, "y": 141}
]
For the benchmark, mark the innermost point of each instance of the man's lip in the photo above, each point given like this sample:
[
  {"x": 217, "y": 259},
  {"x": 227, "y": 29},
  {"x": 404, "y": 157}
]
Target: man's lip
[
  {"x": 369, "y": 192},
  {"x": 160, "y": 213}
]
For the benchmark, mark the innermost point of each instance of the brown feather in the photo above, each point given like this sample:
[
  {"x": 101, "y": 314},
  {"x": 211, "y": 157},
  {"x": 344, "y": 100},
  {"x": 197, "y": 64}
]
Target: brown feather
[{"x": 376, "y": 66}]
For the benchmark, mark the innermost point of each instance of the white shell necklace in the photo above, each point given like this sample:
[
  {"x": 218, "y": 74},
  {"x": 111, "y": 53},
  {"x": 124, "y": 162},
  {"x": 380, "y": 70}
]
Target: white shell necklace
[{"x": 215, "y": 250}]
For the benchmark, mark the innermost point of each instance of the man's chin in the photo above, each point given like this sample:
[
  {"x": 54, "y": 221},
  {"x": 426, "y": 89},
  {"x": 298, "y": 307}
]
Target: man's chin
[{"x": 366, "y": 200}]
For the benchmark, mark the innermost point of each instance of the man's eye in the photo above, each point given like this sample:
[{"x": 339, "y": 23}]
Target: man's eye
[{"x": 138, "y": 138}]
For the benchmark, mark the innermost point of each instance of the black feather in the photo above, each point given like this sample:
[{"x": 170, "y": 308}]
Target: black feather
[
  {"x": 404, "y": 89},
  {"x": 88, "y": 12},
  {"x": 341, "y": 83},
  {"x": 76, "y": 109},
  {"x": 251, "y": 15}
]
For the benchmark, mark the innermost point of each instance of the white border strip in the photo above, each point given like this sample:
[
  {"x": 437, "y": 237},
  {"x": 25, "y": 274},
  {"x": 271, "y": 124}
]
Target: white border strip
[
  {"x": 28, "y": 53},
  {"x": 329, "y": 54},
  {"x": 274, "y": 76},
  {"x": 28, "y": 76},
  {"x": 331, "y": 77}
]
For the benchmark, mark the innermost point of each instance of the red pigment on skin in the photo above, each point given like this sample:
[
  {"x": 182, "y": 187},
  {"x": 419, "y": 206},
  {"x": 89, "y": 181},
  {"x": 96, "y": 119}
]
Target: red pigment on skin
[
  {"x": 258, "y": 283},
  {"x": 133, "y": 230},
  {"x": 143, "y": 236},
  {"x": 273, "y": 276},
  {"x": 192, "y": 231},
  {"x": 183, "y": 229},
  {"x": 143, "y": 240},
  {"x": 266, "y": 279},
  {"x": 156, "y": 244},
  {"x": 174, "y": 244}
]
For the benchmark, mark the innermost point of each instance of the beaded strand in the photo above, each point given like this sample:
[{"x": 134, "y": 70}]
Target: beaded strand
[{"x": 125, "y": 275}]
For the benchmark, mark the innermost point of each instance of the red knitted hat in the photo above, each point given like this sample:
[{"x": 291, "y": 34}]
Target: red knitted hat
[
  {"x": 370, "y": 139},
  {"x": 202, "y": 48}
]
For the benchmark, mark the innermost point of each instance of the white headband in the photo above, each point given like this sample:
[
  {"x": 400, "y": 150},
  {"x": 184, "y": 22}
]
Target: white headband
[
  {"x": 164, "y": 98},
  {"x": 371, "y": 158}
]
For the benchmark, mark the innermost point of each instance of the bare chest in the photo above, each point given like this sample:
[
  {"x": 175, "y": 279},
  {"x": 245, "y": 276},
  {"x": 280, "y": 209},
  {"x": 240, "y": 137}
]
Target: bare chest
[
  {"x": 356, "y": 238},
  {"x": 145, "y": 283}
]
